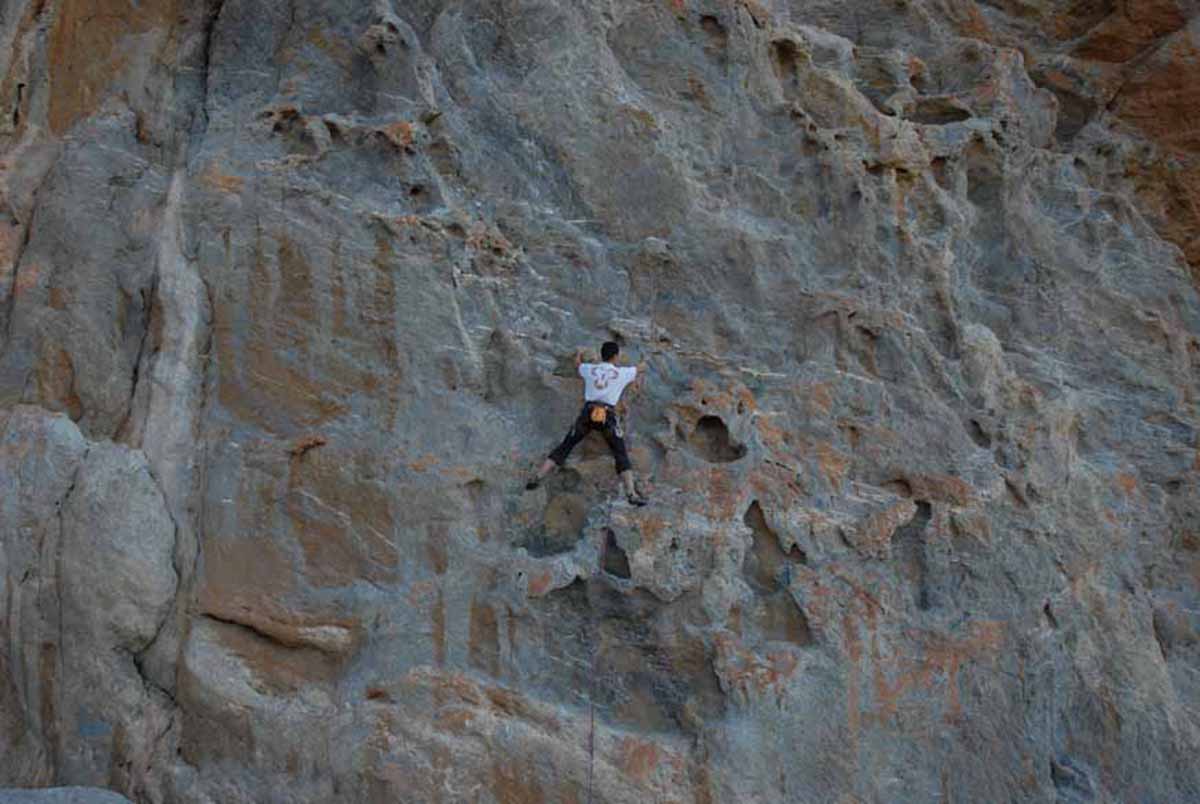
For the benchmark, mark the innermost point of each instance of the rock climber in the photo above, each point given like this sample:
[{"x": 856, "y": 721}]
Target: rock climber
[{"x": 603, "y": 383}]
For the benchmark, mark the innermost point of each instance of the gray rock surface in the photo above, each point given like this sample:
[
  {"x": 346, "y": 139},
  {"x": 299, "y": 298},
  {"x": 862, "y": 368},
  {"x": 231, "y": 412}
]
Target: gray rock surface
[
  {"x": 288, "y": 296},
  {"x": 61, "y": 795}
]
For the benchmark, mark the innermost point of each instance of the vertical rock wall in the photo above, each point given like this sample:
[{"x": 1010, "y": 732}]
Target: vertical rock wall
[{"x": 288, "y": 293}]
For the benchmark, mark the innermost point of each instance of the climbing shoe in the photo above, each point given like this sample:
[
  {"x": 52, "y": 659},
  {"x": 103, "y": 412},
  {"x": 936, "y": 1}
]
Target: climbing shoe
[
  {"x": 532, "y": 483},
  {"x": 636, "y": 499}
]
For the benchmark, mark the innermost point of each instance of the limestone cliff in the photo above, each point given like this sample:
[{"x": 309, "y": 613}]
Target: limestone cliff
[{"x": 288, "y": 295}]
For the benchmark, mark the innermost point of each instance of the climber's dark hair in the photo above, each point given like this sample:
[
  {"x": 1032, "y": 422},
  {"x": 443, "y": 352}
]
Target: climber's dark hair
[{"x": 609, "y": 350}]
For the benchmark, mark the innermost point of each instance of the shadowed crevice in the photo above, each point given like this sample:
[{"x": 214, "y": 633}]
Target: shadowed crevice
[
  {"x": 908, "y": 548},
  {"x": 616, "y": 562},
  {"x": 712, "y": 442}
]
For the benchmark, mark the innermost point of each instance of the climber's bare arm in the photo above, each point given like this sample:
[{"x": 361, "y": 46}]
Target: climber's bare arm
[
  {"x": 578, "y": 358},
  {"x": 639, "y": 380}
]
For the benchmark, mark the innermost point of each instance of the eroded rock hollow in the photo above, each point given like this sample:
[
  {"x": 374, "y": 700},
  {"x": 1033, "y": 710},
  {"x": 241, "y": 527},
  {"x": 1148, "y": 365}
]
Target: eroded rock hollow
[{"x": 288, "y": 296}]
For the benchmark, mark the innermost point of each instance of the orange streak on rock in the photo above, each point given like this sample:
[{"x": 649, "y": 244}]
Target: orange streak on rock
[
  {"x": 540, "y": 583},
  {"x": 88, "y": 51}
]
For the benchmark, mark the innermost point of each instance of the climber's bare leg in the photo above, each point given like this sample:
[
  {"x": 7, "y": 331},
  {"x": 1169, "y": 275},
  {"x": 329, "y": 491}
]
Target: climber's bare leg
[{"x": 631, "y": 492}]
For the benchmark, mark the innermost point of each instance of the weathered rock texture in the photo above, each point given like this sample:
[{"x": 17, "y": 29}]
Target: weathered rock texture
[
  {"x": 288, "y": 293},
  {"x": 61, "y": 795}
]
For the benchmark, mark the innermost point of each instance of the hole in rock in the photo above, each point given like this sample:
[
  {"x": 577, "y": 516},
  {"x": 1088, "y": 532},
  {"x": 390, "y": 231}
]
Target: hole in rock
[
  {"x": 718, "y": 38},
  {"x": 616, "y": 563},
  {"x": 938, "y": 112},
  {"x": 786, "y": 57},
  {"x": 711, "y": 441},
  {"x": 16, "y": 115},
  {"x": 979, "y": 435},
  {"x": 938, "y": 166},
  {"x": 282, "y": 118},
  {"x": 852, "y": 432},
  {"x": 1049, "y": 614},
  {"x": 766, "y": 562},
  {"x": 712, "y": 26}
]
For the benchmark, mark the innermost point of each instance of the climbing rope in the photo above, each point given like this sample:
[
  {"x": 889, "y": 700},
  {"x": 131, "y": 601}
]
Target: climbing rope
[
  {"x": 592, "y": 726},
  {"x": 603, "y": 552}
]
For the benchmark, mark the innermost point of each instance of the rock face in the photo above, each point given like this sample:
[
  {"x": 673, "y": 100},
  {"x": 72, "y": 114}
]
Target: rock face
[
  {"x": 62, "y": 795},
  {"x": 288, "y": 293}
]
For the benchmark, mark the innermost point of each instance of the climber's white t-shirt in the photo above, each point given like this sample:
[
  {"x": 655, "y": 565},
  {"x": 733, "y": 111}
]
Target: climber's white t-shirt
[{"x": 604, "y": 382}]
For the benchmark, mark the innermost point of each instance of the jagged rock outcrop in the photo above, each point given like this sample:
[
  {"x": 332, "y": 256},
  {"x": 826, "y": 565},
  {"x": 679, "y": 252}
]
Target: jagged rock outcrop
[{"x": 288, "y": 294}]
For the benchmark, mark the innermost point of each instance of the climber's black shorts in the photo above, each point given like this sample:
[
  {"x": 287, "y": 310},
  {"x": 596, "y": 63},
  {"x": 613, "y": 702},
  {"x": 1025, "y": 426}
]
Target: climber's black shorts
[{"x": 611, "y": 430}]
